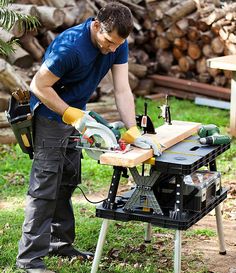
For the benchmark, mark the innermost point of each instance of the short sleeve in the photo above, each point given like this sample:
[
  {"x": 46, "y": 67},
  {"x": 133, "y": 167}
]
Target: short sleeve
[
  {"x": 122, "y": 54},
  {"x": 62, "y": 60}
]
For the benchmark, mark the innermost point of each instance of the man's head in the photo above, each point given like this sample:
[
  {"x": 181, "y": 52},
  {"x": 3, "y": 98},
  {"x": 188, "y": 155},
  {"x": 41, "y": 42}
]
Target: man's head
[{"x": 112, "y": 26}]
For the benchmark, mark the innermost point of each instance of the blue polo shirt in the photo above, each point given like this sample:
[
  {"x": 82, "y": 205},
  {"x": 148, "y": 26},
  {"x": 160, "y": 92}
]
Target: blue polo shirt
[{"x": 80, "y": 66}]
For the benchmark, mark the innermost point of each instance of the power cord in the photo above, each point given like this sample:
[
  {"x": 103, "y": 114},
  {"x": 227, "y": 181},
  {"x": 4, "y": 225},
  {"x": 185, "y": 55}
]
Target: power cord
[
  {"x": 86, "y": 198},
  {"x": 75, "y": 173}
]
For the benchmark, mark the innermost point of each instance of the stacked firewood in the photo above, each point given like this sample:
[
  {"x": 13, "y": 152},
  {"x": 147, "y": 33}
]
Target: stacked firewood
[
  {"x": 177, "y": 40},
  {"x": 170, "y": 37},
  {"x": 192, "y": 32}
]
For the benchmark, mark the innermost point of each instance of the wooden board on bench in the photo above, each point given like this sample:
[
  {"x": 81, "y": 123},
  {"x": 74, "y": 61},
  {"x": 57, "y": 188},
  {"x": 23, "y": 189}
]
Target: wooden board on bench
[{"x": 167, "y": 135}]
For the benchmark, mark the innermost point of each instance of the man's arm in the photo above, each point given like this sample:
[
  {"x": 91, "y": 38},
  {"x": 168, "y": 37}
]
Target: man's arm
[
  {"x": 41, "y": 86},
  {"x": 125, "y": 104},
  {"x": 123, "y": 94}
]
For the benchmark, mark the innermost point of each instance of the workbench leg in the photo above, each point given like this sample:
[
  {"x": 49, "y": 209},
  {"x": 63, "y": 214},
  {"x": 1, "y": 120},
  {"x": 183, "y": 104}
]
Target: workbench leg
[
  {"x": 220, "y": 231},
  {"x": 233, "y": 106},
  {"x": 100, "y": 244},
  {"x": 148, "y": 233},
  {"x": 177, "y": 251}
]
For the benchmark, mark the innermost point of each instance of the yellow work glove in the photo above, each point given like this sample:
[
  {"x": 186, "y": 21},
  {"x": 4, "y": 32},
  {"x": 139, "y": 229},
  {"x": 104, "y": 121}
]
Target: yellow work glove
[
  {"x": 76, "y": 118},
  {"x": 72, "y": 115},
  {"x": 133, "y": 136}
]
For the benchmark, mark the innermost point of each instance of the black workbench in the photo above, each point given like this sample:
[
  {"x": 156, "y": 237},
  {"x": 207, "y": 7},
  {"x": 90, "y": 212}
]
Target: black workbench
[
  {"x": 182, "y": 159},
  {"x": 178, "y": 161}
]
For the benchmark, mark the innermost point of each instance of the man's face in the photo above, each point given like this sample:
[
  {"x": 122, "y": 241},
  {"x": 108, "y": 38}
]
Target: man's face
[{"x": 107, "y": 42}]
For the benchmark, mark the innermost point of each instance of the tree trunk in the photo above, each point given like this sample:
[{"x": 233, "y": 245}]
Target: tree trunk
[
  {"x": 20, "y": 58},
  {"x": 161, "y": 42},
  {"x": 138, "y": 69},
  {"x": 4, "y": 101},
  {"x": 48, "y": 37},
  {"x": 186, "y": 64},
  {"x": 51, "y": 17},
  {"x": 206, "y": 37},
  {"x": 230, "y": 48},
  {"x": 7, "y": 136},
  {"x": 207, "y": 51},
  {"x": 5, "y": 35},
  {"x": 178, "y": 12},
  {"x": 10, "y": 78},
  {"x": 181, "y": 43},
  {"x": 193, "y": 34},
  {"x": 31, "y": 44},
  {"x": 194, "y": 51},
  {"x": 217, "y": 46},
  {"x": 71, "y": 14},
  {"x": 165, "y": 59},
  {"x": 177, "y": 53},
  {"x": 25, "y": 9},
  {"x": 201, "y": 66}
]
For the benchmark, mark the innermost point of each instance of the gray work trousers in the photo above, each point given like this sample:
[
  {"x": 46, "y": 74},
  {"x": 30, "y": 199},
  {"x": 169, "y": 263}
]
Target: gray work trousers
[{"x": 49, "y": 219}]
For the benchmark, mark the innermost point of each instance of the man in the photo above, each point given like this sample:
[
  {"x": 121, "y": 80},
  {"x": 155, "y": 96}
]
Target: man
[{"x": 73, "y": 66}]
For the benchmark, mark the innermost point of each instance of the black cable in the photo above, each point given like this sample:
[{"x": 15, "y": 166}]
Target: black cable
[
  {"x": 75, "y": 173},
  {"x": 92, "y": 202}
]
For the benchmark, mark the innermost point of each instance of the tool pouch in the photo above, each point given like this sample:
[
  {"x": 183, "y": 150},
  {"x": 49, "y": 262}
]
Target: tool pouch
[{"x": 21, "y": 120}]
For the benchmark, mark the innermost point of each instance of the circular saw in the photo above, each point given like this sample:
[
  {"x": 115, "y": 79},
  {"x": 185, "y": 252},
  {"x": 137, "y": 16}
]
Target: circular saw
[{"x": 101, "y": 136}]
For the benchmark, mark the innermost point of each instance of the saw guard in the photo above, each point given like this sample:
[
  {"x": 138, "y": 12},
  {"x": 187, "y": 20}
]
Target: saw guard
[{"x": 98, "y": 129}]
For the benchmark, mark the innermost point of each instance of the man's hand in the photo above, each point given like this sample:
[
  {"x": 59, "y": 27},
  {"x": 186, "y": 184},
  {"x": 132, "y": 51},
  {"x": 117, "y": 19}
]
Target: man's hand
[
  {"x": 147, "y": 142},
  {"x": 77, "y": 118},
  {"x": 133, "y": 136}
]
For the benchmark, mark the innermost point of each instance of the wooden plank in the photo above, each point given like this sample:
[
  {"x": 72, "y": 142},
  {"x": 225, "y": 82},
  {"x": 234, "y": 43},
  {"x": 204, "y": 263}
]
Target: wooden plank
[
  {"x": 167, "y": 135},
  {"x": 130, "y": 159},
  {"x": 192, "y": 87},
  {"x": 225, "y": 62}
]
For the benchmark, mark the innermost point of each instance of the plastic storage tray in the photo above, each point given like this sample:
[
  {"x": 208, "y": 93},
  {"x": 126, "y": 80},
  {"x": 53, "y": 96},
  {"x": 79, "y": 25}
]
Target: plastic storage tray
[{"x": 187, "y": 220}]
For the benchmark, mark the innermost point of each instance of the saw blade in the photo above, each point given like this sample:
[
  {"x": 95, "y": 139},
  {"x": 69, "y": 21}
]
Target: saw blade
[
  {"x": 98, "y": 147},
  {"x": 103, "y": 139}
]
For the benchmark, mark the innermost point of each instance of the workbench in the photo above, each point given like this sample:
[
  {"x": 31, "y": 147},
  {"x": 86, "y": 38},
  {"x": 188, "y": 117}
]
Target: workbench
[
  {"x": 228, "y": 63},
  {"x": 182, "y": 159}
]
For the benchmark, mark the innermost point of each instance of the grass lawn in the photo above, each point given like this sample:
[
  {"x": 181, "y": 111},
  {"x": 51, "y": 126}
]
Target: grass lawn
[{"x": 125, "y": 250}]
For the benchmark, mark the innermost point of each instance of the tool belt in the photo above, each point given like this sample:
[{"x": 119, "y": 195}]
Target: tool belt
[{"x": 21, "y": 120}]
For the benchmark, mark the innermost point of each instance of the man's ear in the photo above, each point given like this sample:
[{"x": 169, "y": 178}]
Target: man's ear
[{"x": 96, "y": 25}]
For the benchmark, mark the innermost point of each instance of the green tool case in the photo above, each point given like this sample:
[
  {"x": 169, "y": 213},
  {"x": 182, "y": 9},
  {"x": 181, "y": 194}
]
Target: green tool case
[{"x": 21, "y": 120}]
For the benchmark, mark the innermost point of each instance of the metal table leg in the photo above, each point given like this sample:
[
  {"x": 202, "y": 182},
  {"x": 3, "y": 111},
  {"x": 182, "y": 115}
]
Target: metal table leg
[
  {"x": 100, "y": 244},
  {"x": 220, "y": 231},
  {"x": 148, "y": 233},
  {"x": 233, "y": 106},
  {"x": 219, "y": 223},
  {"x": 177, "y": 251}
]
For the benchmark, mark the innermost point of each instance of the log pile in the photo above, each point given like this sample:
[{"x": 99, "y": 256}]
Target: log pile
[
  {"x": 181, "y": 38},
  {"x": 172, "y": 38}
]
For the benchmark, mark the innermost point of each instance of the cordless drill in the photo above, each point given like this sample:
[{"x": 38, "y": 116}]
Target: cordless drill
[{"x": 210, "y": 135}]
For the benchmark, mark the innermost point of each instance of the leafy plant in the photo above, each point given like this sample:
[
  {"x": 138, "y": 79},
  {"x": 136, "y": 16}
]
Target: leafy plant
[{"x": 8, "y": 18}]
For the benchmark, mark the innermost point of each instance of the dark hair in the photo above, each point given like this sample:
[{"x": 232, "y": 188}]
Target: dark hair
[{"x": 116, "y": 16}]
